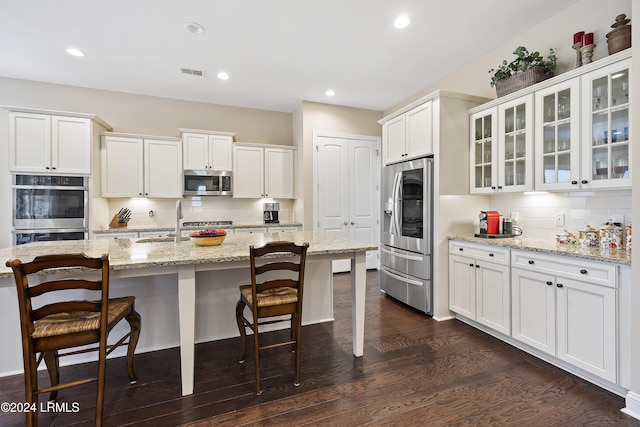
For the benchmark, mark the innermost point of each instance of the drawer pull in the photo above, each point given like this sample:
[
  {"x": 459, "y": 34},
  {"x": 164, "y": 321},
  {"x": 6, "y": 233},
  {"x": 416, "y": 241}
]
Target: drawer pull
[
  {"x": 461, "y": 249},
  {"x": 559, "y": 285},
  {"x": 491, "y": 254},
  {"x": 530, "y": 262},
  {"x": 583, "y": 271},
  {"x": 549, "y": 283}
]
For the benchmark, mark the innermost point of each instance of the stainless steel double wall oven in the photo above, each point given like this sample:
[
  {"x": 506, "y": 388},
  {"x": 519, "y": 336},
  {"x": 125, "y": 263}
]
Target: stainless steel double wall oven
[
  {"x": 407, "y": 233},
  {"x": 49, "y": 207}
]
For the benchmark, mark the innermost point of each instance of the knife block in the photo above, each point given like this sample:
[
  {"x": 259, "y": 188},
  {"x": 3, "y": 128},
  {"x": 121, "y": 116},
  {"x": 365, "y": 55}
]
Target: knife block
[{"x": 115, "y": 222}]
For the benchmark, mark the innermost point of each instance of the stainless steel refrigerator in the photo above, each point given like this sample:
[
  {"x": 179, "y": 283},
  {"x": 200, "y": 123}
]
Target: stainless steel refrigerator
[{"x": 407, "y": 233}]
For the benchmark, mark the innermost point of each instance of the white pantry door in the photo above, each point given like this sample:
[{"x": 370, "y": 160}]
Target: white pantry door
[{"x": 347, "y": 196}]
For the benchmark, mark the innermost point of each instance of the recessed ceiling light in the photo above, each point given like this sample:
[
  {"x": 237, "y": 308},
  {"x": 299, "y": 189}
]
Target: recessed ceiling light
[
  {"x": 401, "y": 22},
  {"x": 223, "y": 76},
  {"x": 330, "y": 92},
  {"x": 194, "y": 27},
  {"x": 75, "y": 52}
]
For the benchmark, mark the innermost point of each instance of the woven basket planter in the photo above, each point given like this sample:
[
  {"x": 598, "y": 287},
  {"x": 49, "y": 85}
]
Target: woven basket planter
[{"x": 521, "y": 80}]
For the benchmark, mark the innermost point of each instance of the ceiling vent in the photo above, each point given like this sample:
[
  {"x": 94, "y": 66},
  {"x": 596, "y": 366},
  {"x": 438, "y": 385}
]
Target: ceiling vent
[{"x": 198, "y": 73}]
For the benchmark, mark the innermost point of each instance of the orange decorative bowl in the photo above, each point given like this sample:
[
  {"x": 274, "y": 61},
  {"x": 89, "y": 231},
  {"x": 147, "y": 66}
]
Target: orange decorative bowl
[{"x": 204, "y": 238}]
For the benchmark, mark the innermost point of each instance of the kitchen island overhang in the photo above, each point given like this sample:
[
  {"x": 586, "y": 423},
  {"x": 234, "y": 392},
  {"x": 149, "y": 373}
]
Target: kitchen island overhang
[{"x": 152, "y": 269}]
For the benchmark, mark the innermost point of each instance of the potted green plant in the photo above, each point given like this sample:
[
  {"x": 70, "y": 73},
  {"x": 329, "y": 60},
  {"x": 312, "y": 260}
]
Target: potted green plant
[{"x": 526, "y": 69}]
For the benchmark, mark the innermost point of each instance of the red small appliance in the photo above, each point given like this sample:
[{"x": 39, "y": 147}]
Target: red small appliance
[{"x": 489, "y": 222}]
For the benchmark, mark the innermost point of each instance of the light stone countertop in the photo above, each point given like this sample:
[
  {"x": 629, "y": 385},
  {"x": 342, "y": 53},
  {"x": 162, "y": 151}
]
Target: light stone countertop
[
  {"x": 135, "y": 253},
  {"x": 616, "y": 256}
]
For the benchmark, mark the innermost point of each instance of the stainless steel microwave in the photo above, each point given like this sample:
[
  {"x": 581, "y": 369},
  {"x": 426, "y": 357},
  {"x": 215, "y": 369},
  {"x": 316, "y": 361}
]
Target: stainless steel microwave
[{"x": 207, "y": 183}]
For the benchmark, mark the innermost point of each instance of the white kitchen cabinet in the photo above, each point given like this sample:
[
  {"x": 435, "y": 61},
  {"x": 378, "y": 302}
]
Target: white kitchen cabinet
[
  {"x": 479, "y": 284},
  {"x": 140, "y": 166},
  {"x": 557, "y": 137},
  {"x": 502, "y": 147},
  {"x": 50, "y": 143},
  {"x": 207, "y": 150},
  {"x": 408, "y": 135},
  {"x": 483, "y": 151},
  {"x": 606, "y": 132},
  {"x": 567, "y": 308},
  {"x": 263, "y": 171}
]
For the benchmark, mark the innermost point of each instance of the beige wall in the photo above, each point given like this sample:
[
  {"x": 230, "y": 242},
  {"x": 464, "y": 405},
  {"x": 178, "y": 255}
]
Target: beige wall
[
  {"x": 150, "y": 115},
  {"x": 327, "y": 118},
  {"x": 557, "y": 32}
]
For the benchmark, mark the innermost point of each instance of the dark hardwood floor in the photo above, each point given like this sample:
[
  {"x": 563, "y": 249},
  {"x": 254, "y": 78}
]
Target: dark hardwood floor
[{"x": 415, "y": 372}]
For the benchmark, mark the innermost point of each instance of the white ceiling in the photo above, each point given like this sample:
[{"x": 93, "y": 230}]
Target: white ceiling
[{"x": 277, "y": 52}]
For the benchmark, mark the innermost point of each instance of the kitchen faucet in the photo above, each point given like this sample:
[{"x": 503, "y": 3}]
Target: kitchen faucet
[{"x": 178, "y": 236}]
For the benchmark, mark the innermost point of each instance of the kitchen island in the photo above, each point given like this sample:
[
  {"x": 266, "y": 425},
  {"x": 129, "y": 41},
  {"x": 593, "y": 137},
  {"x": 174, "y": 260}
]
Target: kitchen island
[{"x": 207, "y": 280}]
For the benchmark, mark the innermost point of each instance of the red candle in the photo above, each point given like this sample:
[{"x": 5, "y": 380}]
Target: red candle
[
  {"x": 577, "y": 37},
  {"x": 587, "y": 39}
]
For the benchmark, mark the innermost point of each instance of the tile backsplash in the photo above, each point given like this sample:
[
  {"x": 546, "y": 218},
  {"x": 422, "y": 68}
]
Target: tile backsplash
[
  {"x": 537, "y": 211},
  {"x": 198, "y": 208}
]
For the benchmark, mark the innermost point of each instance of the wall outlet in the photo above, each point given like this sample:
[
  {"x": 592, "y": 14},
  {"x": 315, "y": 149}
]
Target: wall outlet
[
  {"x": 617, "y": 219},
  {"x": 559, "y": 220}
]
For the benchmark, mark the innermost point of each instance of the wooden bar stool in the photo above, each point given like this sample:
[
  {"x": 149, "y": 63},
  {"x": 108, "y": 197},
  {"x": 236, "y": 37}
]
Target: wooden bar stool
[
  {"x": 278, "y": 293},
  {"x": 66, "y": 324}
]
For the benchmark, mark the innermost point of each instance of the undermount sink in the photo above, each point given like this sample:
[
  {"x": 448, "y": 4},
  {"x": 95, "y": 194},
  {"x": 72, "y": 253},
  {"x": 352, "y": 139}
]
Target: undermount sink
[{"x": 160, "y": 239}]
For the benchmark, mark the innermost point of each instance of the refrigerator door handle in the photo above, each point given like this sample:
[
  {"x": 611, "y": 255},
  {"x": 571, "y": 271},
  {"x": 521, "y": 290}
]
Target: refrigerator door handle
[
  {"x": 401, "y": 255},
  {"x": 394, "y": 205},
  {"x": 398, "y": 277},
  {"x": 397, "y": 211}
]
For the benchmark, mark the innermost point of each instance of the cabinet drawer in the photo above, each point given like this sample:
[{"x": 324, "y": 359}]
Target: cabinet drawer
[
  {"x": 583, "y": 270},
  {"x": 480, "y": 252}
]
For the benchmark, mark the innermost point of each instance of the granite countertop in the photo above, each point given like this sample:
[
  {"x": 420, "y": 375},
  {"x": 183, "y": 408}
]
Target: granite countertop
[
  {"x": 143, "y": 228},
  {"x": 617, "y": 256},
  {"x": 145, "y": 252}
]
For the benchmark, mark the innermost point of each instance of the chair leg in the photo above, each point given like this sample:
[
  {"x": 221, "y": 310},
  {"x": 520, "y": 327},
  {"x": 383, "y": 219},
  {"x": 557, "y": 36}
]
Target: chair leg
[
  {"x": 52, "y": 360},
  {"x": 298, "y": 345},
  {"x": 256, "y": 350},
  {"x": 135, "y": 322},
  {"x": 102, "y": 369},
  {"x": 241, "y": 328},
  {"x": 30, "y": 386}
]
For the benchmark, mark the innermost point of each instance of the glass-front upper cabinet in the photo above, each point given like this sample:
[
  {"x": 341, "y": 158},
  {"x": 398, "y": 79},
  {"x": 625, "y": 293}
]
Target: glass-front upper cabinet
[
  {"x": 483, "y": 151},
  {"x": 515, "y": 145},
  {"x": 606, "y": 132},
  {"x": 557, "y": 144}
]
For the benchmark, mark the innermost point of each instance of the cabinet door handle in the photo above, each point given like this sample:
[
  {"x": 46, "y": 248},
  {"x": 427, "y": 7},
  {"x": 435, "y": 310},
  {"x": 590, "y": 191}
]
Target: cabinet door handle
[
  {"x": 583, "y": 271},
  {"x": 549, "y": 283},
  {"x": 574, "y": 182},
  {"x": 499, "y": 187},
  {"x": 530, "y": 262},
  {"x": 477, "y": 266},
  {"x": 346, "y": 223},
  {"x": 584, "y": 181},
  {"x": 559, "y": 285},
  {"x": 471, "y": 265},
  {"x": 353, "y": 223},
  {"x": 461, "y": 249},
  {"x": 491, "y": 254},
  {"x": 46, "y": 167},
  {"x": 493, "y": 187}
]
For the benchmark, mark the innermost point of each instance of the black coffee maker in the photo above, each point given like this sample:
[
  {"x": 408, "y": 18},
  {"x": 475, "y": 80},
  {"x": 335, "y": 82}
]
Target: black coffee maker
[{"x": 270, "y": 213}]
